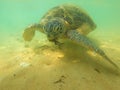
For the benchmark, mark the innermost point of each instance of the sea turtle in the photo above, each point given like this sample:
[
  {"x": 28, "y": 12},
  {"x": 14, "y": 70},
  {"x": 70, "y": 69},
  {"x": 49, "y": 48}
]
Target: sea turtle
[{"x": 66, "y": 21}]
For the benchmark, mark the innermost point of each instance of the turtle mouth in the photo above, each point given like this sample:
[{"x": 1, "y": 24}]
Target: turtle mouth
[{"x": 51, "y": 37}]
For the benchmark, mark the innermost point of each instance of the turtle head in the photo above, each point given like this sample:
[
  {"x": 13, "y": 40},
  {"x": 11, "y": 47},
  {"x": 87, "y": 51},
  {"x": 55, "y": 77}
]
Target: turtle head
[{"x": 54, "y": 29}]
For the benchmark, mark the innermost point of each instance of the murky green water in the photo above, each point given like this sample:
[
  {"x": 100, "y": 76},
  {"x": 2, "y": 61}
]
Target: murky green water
[{"x": 24, "y": 66}]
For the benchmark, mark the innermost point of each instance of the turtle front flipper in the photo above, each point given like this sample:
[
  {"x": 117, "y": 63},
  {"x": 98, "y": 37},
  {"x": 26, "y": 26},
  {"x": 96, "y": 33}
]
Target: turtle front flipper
[
  {"x": 30, "y": 32},
  {"x": 84, "y": 41}
]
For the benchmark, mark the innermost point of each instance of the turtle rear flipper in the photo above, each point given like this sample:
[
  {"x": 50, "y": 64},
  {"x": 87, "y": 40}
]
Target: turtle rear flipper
[{"x": 84, "y": 41}]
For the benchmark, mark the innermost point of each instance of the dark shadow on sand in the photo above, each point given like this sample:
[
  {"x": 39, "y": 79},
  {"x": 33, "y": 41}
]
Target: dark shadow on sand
[{"x": 75, "y": 53}]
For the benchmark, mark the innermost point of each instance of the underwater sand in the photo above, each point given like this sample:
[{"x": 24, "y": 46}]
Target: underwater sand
[{"x": 40, "y": 65}]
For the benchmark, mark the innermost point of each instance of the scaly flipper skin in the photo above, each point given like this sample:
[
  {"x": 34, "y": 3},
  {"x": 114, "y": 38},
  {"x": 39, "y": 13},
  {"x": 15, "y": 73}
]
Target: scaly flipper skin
[
  {"x": 29, "y": 32},
  {"x": 84, "y": 41}
]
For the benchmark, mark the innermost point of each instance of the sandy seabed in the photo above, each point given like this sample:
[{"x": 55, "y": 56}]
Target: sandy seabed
[{"x": 37, "y": 66}]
